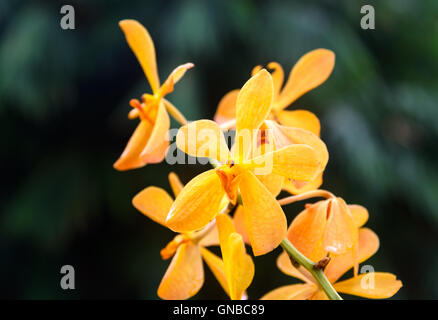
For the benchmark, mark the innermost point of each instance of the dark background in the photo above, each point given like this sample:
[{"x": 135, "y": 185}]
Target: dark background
[{"x": 63, "y": 104}]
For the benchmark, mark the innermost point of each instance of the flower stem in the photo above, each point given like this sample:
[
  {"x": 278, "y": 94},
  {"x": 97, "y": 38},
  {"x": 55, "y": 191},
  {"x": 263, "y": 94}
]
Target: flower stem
[
  {"x": 306, "y": 195},
  {"x": 318, "y": 274}
]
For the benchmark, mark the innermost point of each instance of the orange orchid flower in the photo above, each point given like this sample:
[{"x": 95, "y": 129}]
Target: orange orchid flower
[
  {"x": 198, "y": 202},
  {"x": 149, "y": 142},
  {"x": 310, "y": 71},
  {"x": 185, "y": 274},
  {"x": 327, "y": 226},
  {"x": 373, "y": 285}
]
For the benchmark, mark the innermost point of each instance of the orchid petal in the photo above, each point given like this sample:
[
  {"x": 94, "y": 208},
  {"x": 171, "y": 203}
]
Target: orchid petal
[
  {"x": 197, "y": 204},
  {"x": 174, "y": 77},
  {"x": 341, "y": 230},
  {"x": 175, "y": 183},
  {"x": 373, "y": 285},
  {"x": 239, "y": 223},
  {"x": 130, "y": 158},
  {"x": 298, "y": 187},
  {"x": 264, "y": 219},
  {"x": 307, "y": 230},
  {"x": 142, "y": 45},
  {"x": 203, "y": 138},
  {"x": 360, "y": 214},
  {"x": 154, "y": 203},
  {"x": 300, "y": 119},
  {"x": 173, "y": 111},
  {"x": 216, "y": 266},
  {"x": 184, "y": 276},
  {"x": 156, "y": 147},
  {"x": 309, "y": 72},
  {"x": 297, "y": 161},
  {"x": 340, "y": 264},
  {"x": 226, "y": 109},
  {"x": 253, "y": 104},
  {"x": 291, "y": 292},
  {"x": 239, "y": 267}
]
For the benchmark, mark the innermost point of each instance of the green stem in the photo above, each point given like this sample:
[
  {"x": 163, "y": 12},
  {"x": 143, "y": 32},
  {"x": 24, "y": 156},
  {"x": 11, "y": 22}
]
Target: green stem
[{"x": 318, "y": 274}]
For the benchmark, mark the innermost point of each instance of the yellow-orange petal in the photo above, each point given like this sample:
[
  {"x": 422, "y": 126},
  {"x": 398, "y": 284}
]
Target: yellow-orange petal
[
  {"x": 253, "y": 104},
  {"x": 154, "y": 203},
  {"x": 309, "y": 72},
  {"x": 174, "y": 77},
  {"x": 210, "y": 239},
  {"x": 239, "y": 267},
  {"x": 185, "y": 274},
  {"x": 300, "y": 119},
  {"x": 291, "y": 292},
  {"x": 225, "y": 227},
  {"x": 284, "y": 136},
  {"x": 298, "y": 187},
  {"x": 197, "y": 204},
  {"x": 340, "y": 264},
  {"x": 239, "y": 223},
  {"x": 203, "y": 138},
  {"x": 319, "y": 295},
  {"x": 130, "y": 158},
  {"x": 373, "y": 285},
  {"x": 173, "y": 111},
  {"x": 264, "y": 219},
  {"x": 277, "y": 74},
  {"x": 156, "y": 147},
  {"x": 297, "y": 162},
  {"x": 286, "y": 266},
  {"x": 272, "y": 182},
  {"x": 307, "y": 230},
  {"x": 175, "y": 183},
  {"x": 341, "y": 231},
  {"x": 142, "y": 45},
  {"x": 226, "y": 109},
  {"x": 277, "y": 77},
  {"x": 359, "y": 213},
  {"x": 255, "y": 70},
  {"x": 179, "y": 72},
  {"x": 216, "y": 266}
]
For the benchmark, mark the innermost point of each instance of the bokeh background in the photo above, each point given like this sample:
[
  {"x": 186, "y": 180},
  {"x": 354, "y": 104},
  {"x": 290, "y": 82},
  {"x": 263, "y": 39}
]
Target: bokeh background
[{"x": 63, "y": 104}]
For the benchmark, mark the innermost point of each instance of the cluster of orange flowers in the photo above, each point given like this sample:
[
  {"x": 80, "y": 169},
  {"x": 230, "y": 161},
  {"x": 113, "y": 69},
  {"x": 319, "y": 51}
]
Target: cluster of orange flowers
[{"x": 329, "y": 232}]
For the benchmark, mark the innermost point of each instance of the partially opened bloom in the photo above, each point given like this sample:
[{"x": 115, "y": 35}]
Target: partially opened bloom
[
  {"x": 149, "y": 142},
  {"x": 185, "y": 275},
  {"x": 310, "y": 71},
  {"x": 327, "y": 227},
  {"x": 198, "y": 202},
  {"x": 373, "y": 285}
]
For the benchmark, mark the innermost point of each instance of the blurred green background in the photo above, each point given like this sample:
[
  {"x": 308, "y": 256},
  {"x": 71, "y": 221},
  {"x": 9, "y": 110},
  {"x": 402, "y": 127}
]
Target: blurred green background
[{"x": 63, "y": 104}]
